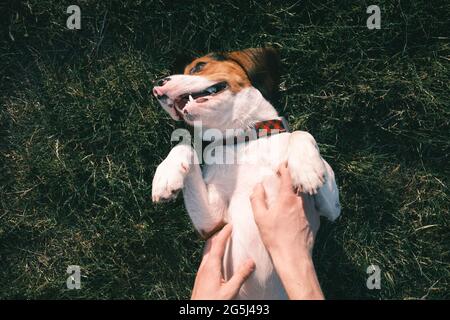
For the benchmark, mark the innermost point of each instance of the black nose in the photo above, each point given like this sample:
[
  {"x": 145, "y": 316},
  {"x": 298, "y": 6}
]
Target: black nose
[
  {"x": 159, "y": 94},
  {"x": 162, "y": 98},
  {"x": 162, "y": 81}
]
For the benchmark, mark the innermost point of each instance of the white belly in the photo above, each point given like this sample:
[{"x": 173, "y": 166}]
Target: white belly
[{"x": 235, "y": 183}]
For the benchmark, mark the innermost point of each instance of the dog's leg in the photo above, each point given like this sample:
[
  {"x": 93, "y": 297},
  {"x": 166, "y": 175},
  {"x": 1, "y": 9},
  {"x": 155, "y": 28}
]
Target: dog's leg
[
  {"x": 313, "y": 175},
  {"x": 180, "y": 170},
  {"x": 170, "y": 174},
  {"x": 327, "y": 197},
  {"x": 204, "y": 204}
]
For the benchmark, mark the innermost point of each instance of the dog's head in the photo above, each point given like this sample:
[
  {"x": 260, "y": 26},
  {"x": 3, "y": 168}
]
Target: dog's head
[{"x": 216, "y": 88}]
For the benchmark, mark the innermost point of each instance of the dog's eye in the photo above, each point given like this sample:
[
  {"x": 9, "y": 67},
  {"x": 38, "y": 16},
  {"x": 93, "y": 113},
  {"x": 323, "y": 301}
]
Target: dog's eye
[{"x": 197, "y": 68}]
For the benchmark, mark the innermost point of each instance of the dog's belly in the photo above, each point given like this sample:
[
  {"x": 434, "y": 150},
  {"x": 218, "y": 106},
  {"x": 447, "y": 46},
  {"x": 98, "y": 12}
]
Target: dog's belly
[
  {"x": 234, "y": 184},
  {"x": 246, "y": 243}
]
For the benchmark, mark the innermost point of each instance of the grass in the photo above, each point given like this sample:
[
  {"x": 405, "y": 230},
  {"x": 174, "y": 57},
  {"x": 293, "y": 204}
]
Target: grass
[{"x": 80, "y": 139}]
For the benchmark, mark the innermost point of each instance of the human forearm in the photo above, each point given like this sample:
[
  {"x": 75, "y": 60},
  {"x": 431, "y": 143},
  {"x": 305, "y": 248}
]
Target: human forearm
[{"x": 298, "y": 275}]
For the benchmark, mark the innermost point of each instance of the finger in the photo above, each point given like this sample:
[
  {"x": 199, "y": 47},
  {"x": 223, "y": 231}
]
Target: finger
[
  {"x": 258, "y": 200},
  {"x": 209, "y": 243},
  {"x": 207, "y": 248},
  {"x": 212, "y": 235},
  {"x": 219, "y": 242},
  {"x": 237, "y": 280},
  {"x": 286, "y": 181}
]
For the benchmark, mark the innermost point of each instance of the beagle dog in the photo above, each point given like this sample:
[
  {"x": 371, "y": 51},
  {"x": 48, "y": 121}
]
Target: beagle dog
[{"x": 231, "y": 92}]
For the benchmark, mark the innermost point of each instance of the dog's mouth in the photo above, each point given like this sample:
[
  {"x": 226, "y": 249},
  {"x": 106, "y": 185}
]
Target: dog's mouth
[{"x": 180, "y": 102}]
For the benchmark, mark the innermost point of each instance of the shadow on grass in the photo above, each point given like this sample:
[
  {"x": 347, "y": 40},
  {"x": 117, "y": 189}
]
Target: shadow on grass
[{"x": 339, "y": 277}]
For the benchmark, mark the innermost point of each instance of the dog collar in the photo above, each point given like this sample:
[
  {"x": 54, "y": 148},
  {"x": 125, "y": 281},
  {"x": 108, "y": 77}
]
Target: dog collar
[
  {"x": 267, "y": 127},
  {"x": 260, "y": 129}
]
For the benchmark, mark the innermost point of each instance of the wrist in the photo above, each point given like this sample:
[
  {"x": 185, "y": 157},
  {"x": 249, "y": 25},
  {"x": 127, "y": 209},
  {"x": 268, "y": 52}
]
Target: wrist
[
  {"x": 287, "y": 261},
  {"x": 298, "y": 275},
  {"x": 293, "y": 253}
]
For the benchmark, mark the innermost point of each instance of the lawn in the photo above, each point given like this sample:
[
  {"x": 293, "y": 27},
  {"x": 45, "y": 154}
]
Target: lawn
[{"x": 81, "y": 136}]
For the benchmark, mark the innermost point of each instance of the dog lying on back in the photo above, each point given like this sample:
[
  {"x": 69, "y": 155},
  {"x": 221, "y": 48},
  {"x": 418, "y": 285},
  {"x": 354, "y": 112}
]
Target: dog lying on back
[{"x": 231, "y": 90}]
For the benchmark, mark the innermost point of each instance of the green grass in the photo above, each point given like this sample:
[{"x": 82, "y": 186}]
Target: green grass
[{"x": 81, "y": 136}]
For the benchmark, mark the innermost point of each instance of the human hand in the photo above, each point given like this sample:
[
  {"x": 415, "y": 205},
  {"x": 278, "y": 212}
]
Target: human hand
[
  {"x": 209, "y": 283},
  {"x": 291, "y": 223},
  {"x": 288, "y": 230}
]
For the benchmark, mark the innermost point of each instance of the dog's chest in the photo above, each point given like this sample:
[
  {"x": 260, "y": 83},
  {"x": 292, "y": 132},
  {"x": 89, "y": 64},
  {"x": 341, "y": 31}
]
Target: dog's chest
[{"x": 246, "y": 164}]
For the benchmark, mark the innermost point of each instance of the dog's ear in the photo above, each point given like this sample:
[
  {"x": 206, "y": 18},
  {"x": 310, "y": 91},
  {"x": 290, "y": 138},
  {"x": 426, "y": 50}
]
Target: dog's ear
[
  {"x": 263, "y": 68},
  {"x": 180, "y": 62}
]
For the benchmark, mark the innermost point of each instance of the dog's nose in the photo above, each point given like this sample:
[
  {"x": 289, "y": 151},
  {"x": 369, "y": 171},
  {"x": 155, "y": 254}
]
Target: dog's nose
[
  {"x": 159, "y": 94},
  {"x": 157, "y": 91},
  {"x": 162, "y": 81}
]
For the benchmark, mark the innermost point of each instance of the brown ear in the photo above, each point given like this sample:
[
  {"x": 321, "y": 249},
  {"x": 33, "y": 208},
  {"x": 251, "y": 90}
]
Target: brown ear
[{"x": 262, "y": 66}]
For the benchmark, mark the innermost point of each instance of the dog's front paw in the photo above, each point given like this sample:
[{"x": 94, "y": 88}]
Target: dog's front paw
[
  {"x": 307, "y": 177},
  {"x": 170, "y": 174},
  {"x": 306, "y": 166}
]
